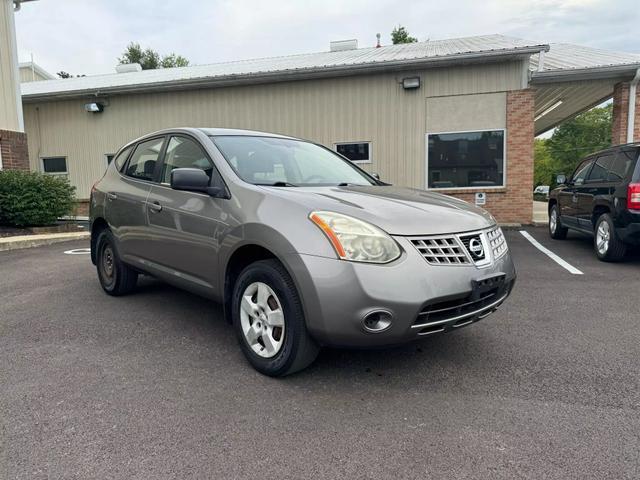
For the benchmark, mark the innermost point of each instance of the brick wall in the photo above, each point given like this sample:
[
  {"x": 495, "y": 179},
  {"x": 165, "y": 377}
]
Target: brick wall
[
  {"x": 621, "y": 112},
  {"x": 13, "y": 148},
  {"x": 513, "y": 204}
]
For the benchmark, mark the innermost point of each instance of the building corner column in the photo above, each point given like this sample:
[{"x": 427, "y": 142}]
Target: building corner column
[
  {"x": 620, "y": 120},
  {"x": 520, "y": 135}
]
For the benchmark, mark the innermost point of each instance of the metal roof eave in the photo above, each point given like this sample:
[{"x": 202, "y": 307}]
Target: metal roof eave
[
  {"x": 297, "y": 74},
  {"x": 613, "y": 72}
]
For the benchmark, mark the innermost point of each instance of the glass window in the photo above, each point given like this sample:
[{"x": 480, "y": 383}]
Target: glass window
[
  {"x": 183, "y": 152},
  {"x": 600, "y": 168},
  {"x": 356, "y": 152},
  {"x": 581, "y": 172},
  {"x": 143, "y": 161},
  {"x": 121, "y": 158},
  {"x": 54, "y": 165},
  {"x": 621, "y": 165},
  {"x": 266, "y": 160},
  {"x": 466, "y": 159}
]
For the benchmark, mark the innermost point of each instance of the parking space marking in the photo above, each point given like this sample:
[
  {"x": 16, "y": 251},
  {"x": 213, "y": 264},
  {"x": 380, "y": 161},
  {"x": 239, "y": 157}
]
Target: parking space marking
[
  {"x": 78, "y": 251},
  {"x": 550, "y": 254}
]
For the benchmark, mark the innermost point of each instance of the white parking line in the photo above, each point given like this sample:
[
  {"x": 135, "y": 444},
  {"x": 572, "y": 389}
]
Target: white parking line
[{"x": 550, "y": 254}]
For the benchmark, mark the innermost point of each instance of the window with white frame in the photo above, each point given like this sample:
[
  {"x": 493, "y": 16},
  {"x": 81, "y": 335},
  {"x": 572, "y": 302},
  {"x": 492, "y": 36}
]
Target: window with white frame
[
  {"x": 357, "y": 152},
  {"x": 473, "y": 159},
  {"x": 54, "y": 165}
]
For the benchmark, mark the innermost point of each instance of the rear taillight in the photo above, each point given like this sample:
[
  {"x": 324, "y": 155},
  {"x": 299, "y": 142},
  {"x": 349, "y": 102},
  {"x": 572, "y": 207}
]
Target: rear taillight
[{"x": 633, "y": 196}]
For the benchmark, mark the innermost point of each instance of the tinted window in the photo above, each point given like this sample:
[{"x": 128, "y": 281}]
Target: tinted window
[
  {"x": 54, "y": 165},
  {"x": 466, "y": 159},
  {"x": 121, "y": 158},
  {"x": 601, "y": 168},
  {"x": 621, "y": 165},
  {"x": 183, "y": 152},
  {"x": 265, "y": 160},
  {"x": 143, "y": 161},
  {"x": 356, "y": 152},
  {"x": 581, "y": 172}
]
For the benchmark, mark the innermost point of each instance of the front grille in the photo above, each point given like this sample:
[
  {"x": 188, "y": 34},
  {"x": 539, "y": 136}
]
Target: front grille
[
  {"x": 441, "y": 250},
  {"x": 497, "y": 242},
  {"x": 475, "y": 246}
]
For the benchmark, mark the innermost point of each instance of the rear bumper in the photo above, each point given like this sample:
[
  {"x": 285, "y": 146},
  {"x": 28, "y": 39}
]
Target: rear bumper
[
  {"x": 630, "y": 234},
  {"x": 628, "y": 226},
  {"x": 337, "y": 295}
]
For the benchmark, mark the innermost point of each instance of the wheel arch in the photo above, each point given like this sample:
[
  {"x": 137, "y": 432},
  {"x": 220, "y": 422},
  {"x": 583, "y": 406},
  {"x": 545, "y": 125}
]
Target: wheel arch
[
  {"x": 598, "y": 210},
  {"x": 98, "y": 225}
]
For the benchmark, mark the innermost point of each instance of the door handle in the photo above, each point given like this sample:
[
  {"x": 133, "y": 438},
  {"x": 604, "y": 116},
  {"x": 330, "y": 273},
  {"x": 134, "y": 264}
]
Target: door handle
[
  {"x": 111, "y": 196},
  {"x": 155, "y": 206}
]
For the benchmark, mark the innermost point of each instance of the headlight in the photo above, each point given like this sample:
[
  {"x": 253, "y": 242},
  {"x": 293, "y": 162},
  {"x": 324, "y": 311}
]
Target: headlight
[{"x": 356, "y": 240}]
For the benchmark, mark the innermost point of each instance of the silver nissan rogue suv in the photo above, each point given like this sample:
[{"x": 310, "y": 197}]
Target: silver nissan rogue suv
[{"x": 301, "y": 246}]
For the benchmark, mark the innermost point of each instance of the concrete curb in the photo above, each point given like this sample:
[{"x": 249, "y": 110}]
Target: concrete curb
[{"x": 29, "y": 241}]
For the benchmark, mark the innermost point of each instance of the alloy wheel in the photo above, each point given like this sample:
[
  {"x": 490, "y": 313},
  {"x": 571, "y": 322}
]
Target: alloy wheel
[
  {"x": 553, "y": 221},
  {"x": 603, "y": 236},
  {"x": 262, "y": 319}
]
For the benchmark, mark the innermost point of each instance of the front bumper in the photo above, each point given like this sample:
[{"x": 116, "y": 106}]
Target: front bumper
[{"x": 337, "y": 295}]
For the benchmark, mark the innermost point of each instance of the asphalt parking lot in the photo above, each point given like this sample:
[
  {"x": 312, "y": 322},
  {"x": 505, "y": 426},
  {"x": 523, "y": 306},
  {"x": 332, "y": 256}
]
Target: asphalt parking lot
[{"x": 153, "y": 385}]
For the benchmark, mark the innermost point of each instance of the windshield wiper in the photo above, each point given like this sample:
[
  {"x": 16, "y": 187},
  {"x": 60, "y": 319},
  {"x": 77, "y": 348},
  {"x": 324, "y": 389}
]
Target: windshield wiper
[
  {"x": 277, "y": 184},
  {"x": 347, "y": 184}
]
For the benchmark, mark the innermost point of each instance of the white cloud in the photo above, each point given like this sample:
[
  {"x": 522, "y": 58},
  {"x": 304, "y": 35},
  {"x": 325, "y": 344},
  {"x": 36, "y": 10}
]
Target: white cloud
[{"x": 87, "y": 36}]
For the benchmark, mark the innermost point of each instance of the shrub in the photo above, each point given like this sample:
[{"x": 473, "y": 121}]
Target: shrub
[{"x": 32, "y": 199}]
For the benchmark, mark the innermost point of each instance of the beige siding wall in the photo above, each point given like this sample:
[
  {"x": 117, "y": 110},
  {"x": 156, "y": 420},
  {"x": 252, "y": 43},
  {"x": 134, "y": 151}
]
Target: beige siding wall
[
  {"x": 27, "y": 74},
  {"x": 10, "y": 114},
  {"x": 371, "y": 108}
]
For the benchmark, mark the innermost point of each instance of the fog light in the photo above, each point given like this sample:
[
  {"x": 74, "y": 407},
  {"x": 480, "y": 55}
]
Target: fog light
[{"x": 377, "y": 321}]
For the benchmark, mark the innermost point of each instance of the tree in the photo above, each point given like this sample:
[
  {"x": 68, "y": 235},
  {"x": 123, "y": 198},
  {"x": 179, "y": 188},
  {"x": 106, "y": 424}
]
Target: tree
[
  {"x": 571, "y": 141},
  {"x": 400, "y": 35},
  {"x": 149, "y": 59},
  {"x": 588, "y": 132},
  {"x": 543, "y": 173},
  {"x": 63, "y": 74}
]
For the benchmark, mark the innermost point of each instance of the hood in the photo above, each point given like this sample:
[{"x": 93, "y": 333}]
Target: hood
[{"x": 396, "y": 210}]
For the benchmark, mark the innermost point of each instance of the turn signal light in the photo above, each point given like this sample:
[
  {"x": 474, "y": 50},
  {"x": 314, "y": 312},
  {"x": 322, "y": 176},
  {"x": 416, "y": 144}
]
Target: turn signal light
[{"x": 633, "y": 196}]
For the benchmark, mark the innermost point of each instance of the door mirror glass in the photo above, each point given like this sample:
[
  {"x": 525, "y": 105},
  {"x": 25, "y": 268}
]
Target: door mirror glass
[
  {"x": 561, "y": 179},
  {"x": 190, "y": 179}
]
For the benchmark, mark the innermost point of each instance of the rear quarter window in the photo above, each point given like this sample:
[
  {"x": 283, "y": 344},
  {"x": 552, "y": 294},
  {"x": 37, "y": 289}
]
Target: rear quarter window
[
  {"x": 122, "y": 158},
  {"x": 622, "y": 165}
]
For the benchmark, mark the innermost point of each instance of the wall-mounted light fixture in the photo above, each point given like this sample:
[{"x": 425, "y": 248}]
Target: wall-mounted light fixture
[
  {"x": 94, "y": 107},
  {"x": 410, "y": 83}
]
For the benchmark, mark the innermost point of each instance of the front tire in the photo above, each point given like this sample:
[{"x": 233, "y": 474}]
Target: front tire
[
  {"x": 607, "y": 244},
  {"x": 269, "y": 321},
  {"x": 556, "y": 230},
  {"x": 115, "y": 277}
]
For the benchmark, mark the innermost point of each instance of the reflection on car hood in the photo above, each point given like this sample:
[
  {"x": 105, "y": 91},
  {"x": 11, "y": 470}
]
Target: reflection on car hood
[{"x": 397, "y": 210}]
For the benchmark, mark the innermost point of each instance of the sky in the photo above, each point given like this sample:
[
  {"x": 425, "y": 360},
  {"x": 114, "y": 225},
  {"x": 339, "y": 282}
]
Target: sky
[{"x": 87, "y": 36}]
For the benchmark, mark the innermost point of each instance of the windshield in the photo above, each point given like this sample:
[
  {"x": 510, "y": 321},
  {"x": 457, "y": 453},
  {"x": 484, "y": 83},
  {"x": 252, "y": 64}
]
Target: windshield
[{"x": 285, "y": 162}]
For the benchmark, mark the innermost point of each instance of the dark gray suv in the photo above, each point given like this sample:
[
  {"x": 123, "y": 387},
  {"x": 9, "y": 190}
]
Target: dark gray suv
[{"x": 300, "y": 246}]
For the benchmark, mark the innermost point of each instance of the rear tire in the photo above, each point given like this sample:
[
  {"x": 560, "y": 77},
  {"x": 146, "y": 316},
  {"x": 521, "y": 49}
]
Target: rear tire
[
  {"x": 607, "y": 244},
  {"x": 269, "y": 321},
  {"x": 556, "y": 230},
  {"x": 115, "y": 277}
]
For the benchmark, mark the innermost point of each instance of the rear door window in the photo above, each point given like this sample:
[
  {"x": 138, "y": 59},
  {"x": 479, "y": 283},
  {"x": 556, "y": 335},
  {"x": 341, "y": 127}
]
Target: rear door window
[
  {"x": 622, "y": 165},
  {"x": 600, "y": 168},
  {"x": 143, "y": 162}
]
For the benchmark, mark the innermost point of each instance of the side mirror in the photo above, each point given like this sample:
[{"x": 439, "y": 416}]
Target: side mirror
[
  {"x": 195, "y": 180},
  {"x": 561, "y": 179}
]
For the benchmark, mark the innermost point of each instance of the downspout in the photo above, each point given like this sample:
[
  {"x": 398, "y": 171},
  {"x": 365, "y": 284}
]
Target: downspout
[{"x": 631, "y": 111}]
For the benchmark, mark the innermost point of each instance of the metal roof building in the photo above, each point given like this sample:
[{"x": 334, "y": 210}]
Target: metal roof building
[{"x": 457, "y": 115}]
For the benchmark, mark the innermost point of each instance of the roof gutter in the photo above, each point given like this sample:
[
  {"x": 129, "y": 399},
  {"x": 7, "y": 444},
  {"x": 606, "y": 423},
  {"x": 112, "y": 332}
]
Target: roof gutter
[
  {"x": 612, "y": 72},
  {"x": 631, "y": 111},
  {"x": 288, "y": 75}
]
